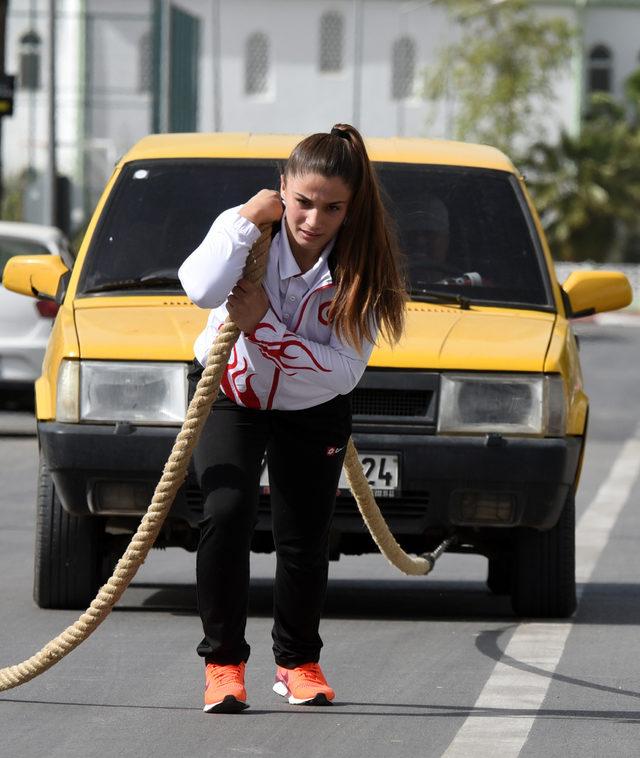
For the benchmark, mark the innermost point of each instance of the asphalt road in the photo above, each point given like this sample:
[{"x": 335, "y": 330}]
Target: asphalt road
[{"x": 422, "y": 666}]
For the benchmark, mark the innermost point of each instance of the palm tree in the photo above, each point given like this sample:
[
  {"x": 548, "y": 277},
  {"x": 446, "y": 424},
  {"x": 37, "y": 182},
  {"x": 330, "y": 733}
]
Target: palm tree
[{"x": 587, "y": 187}]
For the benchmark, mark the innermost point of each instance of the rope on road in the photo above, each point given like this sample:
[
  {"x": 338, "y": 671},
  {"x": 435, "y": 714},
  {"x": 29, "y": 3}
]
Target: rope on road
[{"x": 173, "y": 476}]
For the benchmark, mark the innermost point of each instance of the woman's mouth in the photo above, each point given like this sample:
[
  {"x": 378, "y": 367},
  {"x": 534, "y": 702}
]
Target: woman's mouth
[{"x": 309, "y": 235}]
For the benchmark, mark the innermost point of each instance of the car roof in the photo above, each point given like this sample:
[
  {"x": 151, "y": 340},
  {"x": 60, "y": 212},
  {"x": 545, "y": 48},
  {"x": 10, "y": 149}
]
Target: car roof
[{"x": 248, "y": 145}]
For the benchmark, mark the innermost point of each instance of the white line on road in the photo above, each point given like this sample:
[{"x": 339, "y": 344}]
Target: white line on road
[{"x": 540, "y": 646}]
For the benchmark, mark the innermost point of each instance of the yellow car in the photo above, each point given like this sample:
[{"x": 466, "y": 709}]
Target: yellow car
[{"x": 474, "y": 426}]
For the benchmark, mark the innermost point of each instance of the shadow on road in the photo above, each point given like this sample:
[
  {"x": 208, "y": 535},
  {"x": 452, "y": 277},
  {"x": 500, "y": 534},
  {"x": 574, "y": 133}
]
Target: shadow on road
[
  {"x": 347, "y": 598},
  {"x": 412, "y": 600},
  {"x": 402, "y": 599},
  {"x": 371, "y": 708},
  {"x": 600, "y": 604}
]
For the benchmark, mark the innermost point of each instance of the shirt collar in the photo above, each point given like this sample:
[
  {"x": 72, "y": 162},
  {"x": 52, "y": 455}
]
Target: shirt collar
[{"x": 288, "y": 266}]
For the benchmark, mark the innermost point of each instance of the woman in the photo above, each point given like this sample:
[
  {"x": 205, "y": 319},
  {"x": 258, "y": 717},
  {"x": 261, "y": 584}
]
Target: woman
[{"x": 332, "y": 278}]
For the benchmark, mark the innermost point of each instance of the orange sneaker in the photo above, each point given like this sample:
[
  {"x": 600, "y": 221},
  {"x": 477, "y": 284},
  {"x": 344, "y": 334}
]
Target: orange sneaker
[
  {"x": 303, "y": 685},
  {"x": 224, "y": 690}
]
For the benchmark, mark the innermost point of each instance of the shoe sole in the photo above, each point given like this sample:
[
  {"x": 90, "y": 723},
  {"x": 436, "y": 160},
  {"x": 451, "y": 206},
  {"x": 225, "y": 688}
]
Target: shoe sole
[
  {"x": 230, "y": 704},
  {"x": 280, "y": 688}
]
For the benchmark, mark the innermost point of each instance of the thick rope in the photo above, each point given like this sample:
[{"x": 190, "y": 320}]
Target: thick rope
[
  {"x": 173, "y": 475},
  {"x": 374, "y": 520}
]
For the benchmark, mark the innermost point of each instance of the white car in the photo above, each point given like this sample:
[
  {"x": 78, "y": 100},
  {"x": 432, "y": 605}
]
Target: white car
[{"x": 25, "y": 325}]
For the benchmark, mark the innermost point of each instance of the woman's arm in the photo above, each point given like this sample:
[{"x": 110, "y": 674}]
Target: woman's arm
[
  {"x": 209, "y": 274},
  {"x": 336, "y": 366},
  {"x": 212, "y": 269}
]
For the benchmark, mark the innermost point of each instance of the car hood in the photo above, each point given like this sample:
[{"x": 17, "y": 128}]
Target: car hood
[
  {"x": 436, "y": 337},
  {"x": 478, "y": 339},
  {"x": 137, "y": 328}
]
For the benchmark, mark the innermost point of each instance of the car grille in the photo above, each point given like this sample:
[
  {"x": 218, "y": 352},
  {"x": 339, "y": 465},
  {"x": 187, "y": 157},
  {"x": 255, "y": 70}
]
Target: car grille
[
  {"x": 402, "y": 401},
  {"x": 408, "y": 507},
  {"x": 382, "y": 402}
]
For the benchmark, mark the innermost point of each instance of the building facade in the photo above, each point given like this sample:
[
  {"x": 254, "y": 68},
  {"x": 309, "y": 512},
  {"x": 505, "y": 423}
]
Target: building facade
[{"x": 129, "y": 67}]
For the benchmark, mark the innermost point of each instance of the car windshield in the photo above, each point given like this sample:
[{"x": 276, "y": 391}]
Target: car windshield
[
  {"x": 465, "y": 233},
  {"x": 10, "y": 246}
]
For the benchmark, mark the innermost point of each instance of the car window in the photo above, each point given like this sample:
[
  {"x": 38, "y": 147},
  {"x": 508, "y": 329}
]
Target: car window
[
  {"x": 160, "y": 211},
  {"x": 468, "y": 232},
  {"x": 463, "y": 231},
  {"x": 10, "y": 246}
]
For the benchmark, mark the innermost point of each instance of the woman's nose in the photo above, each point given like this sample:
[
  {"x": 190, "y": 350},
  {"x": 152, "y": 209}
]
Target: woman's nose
[{"x": 312, "y": 217}]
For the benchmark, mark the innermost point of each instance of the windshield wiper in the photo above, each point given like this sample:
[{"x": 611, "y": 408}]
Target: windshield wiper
[
  {"x": 149, "y": 281},
  {"x": 434, "y": 296}
]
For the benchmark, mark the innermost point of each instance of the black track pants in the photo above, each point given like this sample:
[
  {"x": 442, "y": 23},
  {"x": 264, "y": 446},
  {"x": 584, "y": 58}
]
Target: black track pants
[{"x": 305, "y": 451}]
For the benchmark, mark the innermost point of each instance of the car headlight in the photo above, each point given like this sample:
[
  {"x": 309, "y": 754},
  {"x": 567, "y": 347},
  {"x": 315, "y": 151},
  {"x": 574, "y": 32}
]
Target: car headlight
[
  {"x": 108, "y": 391},
  {"x": 503, "y": 403}
]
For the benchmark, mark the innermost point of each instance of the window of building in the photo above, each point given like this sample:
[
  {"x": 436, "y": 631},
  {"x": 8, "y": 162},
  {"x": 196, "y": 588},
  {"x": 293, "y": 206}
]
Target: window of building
[
  {"x": 145, "y": 63},
  {"x": 403, "y": 68},
  {"x": 331, "y": 41},
  {"x": 256, "y": 74},
  {"x": 30, "y": 47},
  {"x": 600, "y": 69}
]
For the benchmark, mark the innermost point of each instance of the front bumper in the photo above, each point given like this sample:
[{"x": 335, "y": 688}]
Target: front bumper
[
  {"x": 111, "y": 470},
  {"x": 441, "y": 476}
]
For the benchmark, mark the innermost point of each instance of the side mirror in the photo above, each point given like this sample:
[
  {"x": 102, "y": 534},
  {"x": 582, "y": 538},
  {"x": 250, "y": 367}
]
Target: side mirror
[
  {"x": 592, "y": 292},
  {"x": 34, "y": 275}
]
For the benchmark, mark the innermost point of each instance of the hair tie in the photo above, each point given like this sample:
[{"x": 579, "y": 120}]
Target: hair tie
[{"x": 337, "y": 132}]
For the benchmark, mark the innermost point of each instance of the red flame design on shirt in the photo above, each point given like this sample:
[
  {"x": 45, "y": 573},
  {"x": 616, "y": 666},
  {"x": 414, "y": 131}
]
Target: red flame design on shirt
[
  {"x": 224, "y": 382},
  {"x": 323, "y": 312},
  {"x": 229, "y": 382},
  {"x": 276, "y": 352}
]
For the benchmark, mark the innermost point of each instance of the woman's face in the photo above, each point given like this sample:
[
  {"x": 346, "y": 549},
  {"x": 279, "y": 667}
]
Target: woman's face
[{"x": 316, "y": 208}]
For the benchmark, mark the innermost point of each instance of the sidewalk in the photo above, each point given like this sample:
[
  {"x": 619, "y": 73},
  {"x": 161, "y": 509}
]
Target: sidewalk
[{"x": 626, "y": 318}]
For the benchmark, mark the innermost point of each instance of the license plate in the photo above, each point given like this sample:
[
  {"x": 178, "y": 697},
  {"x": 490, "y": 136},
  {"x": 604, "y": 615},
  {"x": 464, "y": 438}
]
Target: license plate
[{"x": 380, "y": 469}]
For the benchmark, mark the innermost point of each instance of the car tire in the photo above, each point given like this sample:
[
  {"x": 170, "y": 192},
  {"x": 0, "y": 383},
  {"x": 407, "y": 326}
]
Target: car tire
[
  {"x": 67, "y": 569},
  {"x": 545, "y": 577},
  {"x": 500, "y": 574}
]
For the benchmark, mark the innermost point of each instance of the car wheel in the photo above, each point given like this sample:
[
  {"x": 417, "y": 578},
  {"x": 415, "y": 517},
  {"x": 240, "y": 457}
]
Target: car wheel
[
  {"x": 545, "y": 575},
  {"x": 67, "y": 556},
  {"x": 500, "y": 574}
]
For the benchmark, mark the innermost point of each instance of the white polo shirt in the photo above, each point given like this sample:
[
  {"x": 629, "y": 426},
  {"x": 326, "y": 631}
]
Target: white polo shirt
[{"x": 293, "y": 359}]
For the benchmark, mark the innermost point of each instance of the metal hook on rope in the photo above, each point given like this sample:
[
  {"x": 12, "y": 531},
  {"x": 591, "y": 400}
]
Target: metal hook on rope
[{"x": 433, "y": 556}]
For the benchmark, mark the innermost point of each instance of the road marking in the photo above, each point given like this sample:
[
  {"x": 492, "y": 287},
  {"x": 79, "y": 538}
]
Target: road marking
[
  {"x": 518, "y": 692},
  {"x": 596, "y": 523}
]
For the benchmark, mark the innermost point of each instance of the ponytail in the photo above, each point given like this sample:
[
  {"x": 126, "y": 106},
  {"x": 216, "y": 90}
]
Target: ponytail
[{"x": 369, "y": 287}]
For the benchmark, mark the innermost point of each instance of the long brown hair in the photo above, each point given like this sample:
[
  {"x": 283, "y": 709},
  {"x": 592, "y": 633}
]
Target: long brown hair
[{"x": 370, "y": 288}]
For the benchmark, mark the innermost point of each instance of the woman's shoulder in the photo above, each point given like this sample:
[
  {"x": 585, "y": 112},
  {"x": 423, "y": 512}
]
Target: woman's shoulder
[{"x": 231, "y": 222}]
